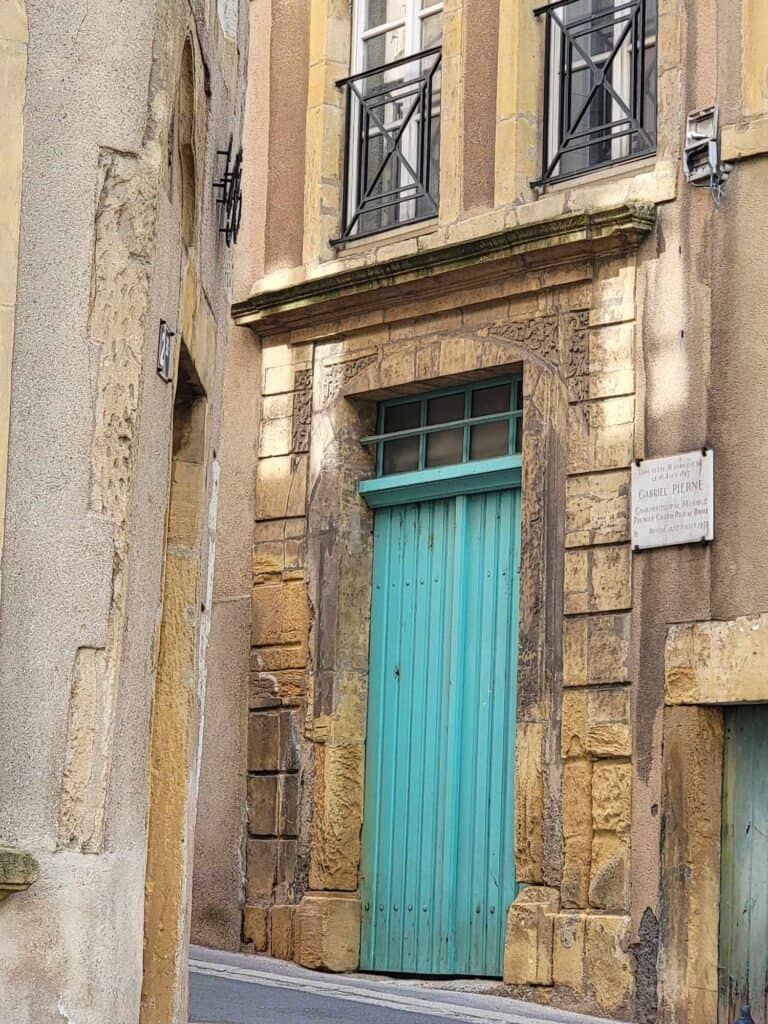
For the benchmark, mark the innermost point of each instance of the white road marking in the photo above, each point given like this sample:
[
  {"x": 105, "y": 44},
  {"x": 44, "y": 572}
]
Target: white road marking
[{"x": 332, "y": 990}]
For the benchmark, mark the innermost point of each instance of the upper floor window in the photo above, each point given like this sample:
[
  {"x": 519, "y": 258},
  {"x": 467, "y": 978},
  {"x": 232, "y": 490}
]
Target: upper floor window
[
  {"x": 392, "y": 116},
  {"x": 600, "y": 84}
]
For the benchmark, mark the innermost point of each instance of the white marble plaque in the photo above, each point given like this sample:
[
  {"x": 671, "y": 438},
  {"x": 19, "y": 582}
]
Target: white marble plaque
[{"x": 673, "y": 500}]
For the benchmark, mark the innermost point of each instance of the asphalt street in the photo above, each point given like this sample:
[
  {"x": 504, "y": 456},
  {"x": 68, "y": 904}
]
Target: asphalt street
[{"x": 229, "y": 988}]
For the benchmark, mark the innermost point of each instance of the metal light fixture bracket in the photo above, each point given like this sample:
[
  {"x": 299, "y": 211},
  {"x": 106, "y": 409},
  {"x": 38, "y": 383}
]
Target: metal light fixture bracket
[{"x": 702, "y": 163}]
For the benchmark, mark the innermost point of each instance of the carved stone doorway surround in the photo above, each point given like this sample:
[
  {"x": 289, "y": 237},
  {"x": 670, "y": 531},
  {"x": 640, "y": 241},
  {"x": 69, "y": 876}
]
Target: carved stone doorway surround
[
  {"x": 559, "y": 301},
  {"x": 552, "y": 351}
]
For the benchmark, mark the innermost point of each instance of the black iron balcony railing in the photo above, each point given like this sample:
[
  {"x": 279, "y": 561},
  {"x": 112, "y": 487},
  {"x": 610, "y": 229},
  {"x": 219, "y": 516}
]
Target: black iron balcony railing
[
  {"x": 392, "y": 145},
  {"x": 599, "y": 84}
]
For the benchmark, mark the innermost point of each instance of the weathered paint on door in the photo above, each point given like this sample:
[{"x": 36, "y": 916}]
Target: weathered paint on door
[
  {"x": 438, "y": 868},
  {"x": 743, "y": 974}
]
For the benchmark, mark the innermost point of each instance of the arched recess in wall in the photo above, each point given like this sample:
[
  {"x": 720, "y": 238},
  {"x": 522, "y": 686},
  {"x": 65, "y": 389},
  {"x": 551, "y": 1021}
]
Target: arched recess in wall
[
  {"x": 13, "y": 61},
  {"x": 185, "y": 135}
]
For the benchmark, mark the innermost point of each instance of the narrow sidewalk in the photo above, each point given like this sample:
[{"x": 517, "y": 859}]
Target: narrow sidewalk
[{"x": 218, "y": 980}]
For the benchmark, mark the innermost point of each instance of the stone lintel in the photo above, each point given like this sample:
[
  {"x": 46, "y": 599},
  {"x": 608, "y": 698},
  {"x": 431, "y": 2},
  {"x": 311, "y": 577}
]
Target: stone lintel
[
  {"x": 540, "y": 244},
  {"x": 18, "y": 870},
  {"x": 722, "y": 662}
]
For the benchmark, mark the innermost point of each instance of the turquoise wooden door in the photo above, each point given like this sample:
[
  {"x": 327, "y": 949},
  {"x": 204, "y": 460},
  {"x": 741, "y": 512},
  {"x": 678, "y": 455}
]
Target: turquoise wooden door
[
  {"x": 438, "y": 834},
  {"x": 743, "y": 974}
]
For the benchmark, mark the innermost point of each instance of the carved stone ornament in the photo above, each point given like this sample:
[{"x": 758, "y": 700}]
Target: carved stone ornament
[
  {"x": 562, "y": 340},
  {"x": 302, "y": 411},
  {"x": 577, "y": 360},
  {"x": 18, "y": 870},
  {"x": 338, "y": 375}
]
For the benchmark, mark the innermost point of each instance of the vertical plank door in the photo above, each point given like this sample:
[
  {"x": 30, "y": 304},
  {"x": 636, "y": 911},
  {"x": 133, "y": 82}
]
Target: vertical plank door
[
  {"x": 438, "y": 869},
  {"x": 743, "y": 974}
]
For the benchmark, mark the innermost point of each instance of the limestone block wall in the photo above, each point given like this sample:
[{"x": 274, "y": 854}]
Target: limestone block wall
[
  {"x": 570, "y": 942},
  {"x": 575, "y": 330},
  {"x": 279, "y": 647}
]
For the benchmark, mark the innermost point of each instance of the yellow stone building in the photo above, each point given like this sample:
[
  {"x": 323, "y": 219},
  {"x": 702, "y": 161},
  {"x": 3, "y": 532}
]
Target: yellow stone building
[
  {"x": 325, "y": 636},
  {"x": 442, "y": 199}
]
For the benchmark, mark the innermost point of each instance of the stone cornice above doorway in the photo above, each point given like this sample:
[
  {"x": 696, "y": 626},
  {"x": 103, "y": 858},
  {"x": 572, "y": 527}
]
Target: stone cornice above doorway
[{"x": 474, "y": 262}]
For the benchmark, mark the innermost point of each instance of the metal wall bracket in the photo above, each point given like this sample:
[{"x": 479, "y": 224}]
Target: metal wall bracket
[
  {"x": 165, "y": 338},
  {"x": 230, "y": 199},
  {"x": 702, "y": 164}
]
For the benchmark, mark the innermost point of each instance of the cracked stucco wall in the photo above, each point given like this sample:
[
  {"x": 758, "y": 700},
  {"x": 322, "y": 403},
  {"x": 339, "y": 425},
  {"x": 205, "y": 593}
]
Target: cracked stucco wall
[
  {"x": 102, "y": 261},
  {"x": 124, "y": 234},
  {"x": 13, "y": 59}
]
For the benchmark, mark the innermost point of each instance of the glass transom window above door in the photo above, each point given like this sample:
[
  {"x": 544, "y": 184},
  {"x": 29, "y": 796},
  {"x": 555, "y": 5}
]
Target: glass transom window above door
[
  {"x": 464, "y": 424},
  {"x": 599, "y": 84},
  {"x": 392, "y": 146}
]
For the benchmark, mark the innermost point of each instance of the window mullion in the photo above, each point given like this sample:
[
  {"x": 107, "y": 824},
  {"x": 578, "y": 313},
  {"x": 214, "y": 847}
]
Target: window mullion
[
  {"x": 378, "y": 30},
  {"x": 358, "y": 28},
  {"x": 413, "y": 25},
  {"x": 622, "y": 65},
  {"x": 423, "y": 438},
  {"x": 409, "y": 144},
  {"x": 467, "y": 428}
]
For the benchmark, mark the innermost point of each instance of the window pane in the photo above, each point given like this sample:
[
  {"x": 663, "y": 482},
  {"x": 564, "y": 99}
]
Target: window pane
[
  {"x": 639, "y": 144},
  {"x": 445, "y": 448},
  {"x": 384, "y": 48},
  {"x": 445, "y": 409},
  {"x": 382, "y": 12},
  {"x": 488, "y": 440},
  {"x": 402, "y": 417},
  {"x": 487, "y": 401},
  {"x": 651, "y": 18},
  {"x": 434, "y": 158},
  {"x": 373, "y": 156},
  {"x": 401, "y": 456},
  {"x": 431, "y": 30}
]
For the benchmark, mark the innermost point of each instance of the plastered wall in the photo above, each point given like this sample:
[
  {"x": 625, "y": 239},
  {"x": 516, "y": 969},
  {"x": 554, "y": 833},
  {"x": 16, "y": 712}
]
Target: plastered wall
[
  {"x": 13, "y": 54},
  {"x": 114, "y": 238}
]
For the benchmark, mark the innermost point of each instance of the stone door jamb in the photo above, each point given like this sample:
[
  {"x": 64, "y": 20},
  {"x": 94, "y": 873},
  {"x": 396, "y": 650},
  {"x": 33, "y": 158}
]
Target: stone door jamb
[{"x": 345, "y": 391}]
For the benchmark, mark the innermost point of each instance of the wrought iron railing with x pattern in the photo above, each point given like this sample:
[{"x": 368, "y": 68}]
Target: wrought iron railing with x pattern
[
  {"x": 391, "y": 145},
  {"x": 599, "y": 84}
]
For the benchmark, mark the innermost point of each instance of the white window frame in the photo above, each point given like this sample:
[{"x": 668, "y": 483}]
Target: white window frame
[
  {"x": 411, "y": 21},
  {"x": 623, "y": 71}
]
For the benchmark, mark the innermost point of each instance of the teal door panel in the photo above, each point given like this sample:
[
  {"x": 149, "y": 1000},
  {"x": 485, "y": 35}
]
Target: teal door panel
[
  {"x": 743, "y": 973},
  {"x": 438, "y": 832}
]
